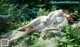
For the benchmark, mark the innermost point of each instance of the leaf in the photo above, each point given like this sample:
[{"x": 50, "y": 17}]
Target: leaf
[
  {"x": 69, "y": 45},
  {"x": 64, "y": 39},
  {"x": 40, "y": 5},
  {"x": 25, "y": 6},
  {"x": 35, "y": 10}
]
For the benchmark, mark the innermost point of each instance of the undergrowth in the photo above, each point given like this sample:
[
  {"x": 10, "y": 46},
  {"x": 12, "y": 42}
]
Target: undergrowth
[{"x": 22, "y": 14}]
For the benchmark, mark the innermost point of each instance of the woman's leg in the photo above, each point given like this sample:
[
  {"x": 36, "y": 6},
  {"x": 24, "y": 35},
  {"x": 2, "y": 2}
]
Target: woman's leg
[
  {"x": 31, "y": 25},
  {"x": 22, "y": 31}
]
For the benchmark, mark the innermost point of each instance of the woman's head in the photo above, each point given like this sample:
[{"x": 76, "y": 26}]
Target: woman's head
[{"x": 70, "y": 17}]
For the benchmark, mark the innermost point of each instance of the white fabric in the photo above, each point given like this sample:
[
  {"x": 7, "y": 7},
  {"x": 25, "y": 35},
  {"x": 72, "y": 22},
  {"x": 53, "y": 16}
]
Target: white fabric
[{"x": 54, "y": 19}]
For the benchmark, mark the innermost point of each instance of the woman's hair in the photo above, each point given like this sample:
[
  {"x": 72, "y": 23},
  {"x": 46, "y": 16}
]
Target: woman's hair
[{"x": 74, "y": 17}]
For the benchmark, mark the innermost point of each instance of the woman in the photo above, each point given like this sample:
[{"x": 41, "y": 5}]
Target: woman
[
  {"x": 53, "y": 21},
  {"x": 44, "y": 22}
]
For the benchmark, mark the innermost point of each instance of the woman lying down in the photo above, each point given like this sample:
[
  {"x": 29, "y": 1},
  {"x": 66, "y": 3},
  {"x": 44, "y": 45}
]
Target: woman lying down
[{"x": 53, "y": 21}]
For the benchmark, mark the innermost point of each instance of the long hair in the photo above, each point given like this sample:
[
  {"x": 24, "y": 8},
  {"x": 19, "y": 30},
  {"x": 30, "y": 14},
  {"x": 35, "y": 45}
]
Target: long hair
[{"x": 74, "y": 17}]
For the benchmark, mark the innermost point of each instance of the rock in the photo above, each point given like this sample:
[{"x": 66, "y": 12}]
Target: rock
[
  {"x": 14, "y": 35},
  {"x": 5, "y": 19},
  {"x": 52, "y": 42},
  {"x": 22, "y": 44},
  {"x": 77, "y": 23}
]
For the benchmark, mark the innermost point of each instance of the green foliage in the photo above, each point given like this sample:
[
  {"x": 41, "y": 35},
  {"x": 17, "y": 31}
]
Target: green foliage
[
  {"x": 71, "y": 38},
  {"x": 23, "y": 11}
]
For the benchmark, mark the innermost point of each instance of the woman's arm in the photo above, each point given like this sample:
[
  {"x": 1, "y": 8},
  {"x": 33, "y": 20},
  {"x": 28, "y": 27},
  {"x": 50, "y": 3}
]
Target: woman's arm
[{"x": 52, "y": 28}]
